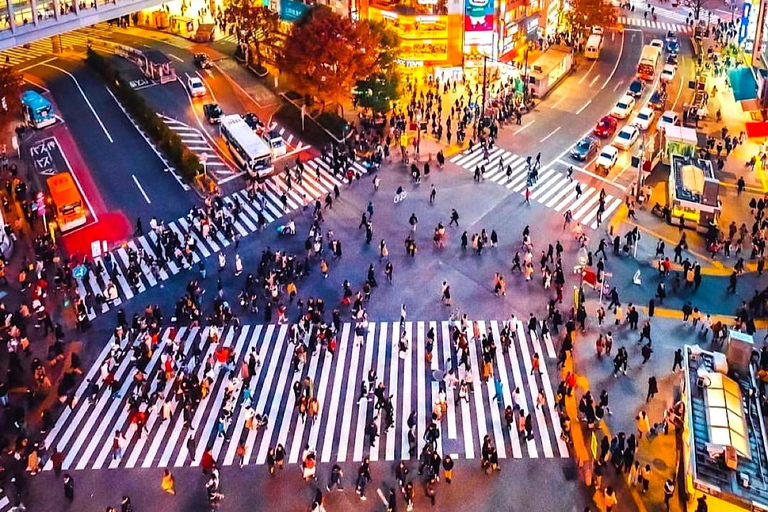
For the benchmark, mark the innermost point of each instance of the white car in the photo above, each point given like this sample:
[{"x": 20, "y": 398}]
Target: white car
[
  {"x": 597, "y": 30},
  {"x": 196, "y": 87},
  {"x": 644, "y": 118},
  {"x": 669, "y": 117},
  {"x": 668, "y": 73},
  {"x": 607, "y": 158},
  {"x": 623, "y": 107},
  {"x": 658, "y": 43},
  {"x": 626, "y": 137}
]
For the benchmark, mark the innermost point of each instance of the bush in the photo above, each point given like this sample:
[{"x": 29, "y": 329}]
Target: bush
[
  {"x": 185, "y": 162},
  {"x": 334, "y": 124}
]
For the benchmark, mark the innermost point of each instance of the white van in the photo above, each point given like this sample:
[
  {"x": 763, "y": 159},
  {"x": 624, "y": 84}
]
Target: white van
[
  {"x": 594, "y": 45},
  {"x": 275, "y": 141}
]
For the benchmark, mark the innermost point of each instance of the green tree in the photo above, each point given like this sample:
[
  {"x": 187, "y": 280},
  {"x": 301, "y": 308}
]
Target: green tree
[
  {"x": 257, "y": 25},
  {"x": 588, "y": 13},
  {"x": 326, "y": 55},
  {"x": 11, "y": 83},
  {"x": 380, "y": 89}
]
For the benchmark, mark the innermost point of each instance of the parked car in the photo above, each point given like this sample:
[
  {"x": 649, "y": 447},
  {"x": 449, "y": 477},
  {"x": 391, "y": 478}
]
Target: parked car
[
  {"x": 644, "y": 118},
  {"x": 658, "y": 43},
  {"x": 626, "y": 137},
  {"x": 671, "y": 36},
  {"x": 196, "y": 87},
  {"x": 658, "y": 100},
  {"x": 212, "y": 113},
  {"x": 605, "y": 127},
  {"x": 597, "y": 30},
  {"x": 672, "y": 59},
  {"x": 608, "y": 157},
  {"x": 585, "y": 148},
  {"x": 202, "y": 60},
  {"x": 623, "y": 107},
  {"x": 673, "y": 47},
  {"x": 636, "y": 88}
]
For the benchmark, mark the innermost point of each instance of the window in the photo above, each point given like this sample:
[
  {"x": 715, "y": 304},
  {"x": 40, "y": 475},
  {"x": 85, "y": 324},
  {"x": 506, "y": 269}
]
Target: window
[
  {"x": 725, "y": 414},
  {"x": 22, "y": 11}
]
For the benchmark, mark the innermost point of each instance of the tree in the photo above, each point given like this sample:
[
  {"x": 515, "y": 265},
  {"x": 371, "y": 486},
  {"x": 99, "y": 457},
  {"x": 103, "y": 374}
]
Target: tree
[
  {"x": 11, "y": 83},
  {"x": 327, "y": 54},
  {"x": 380, "y": 89},
  {"x": 256, "y": 24},
  {"x": 588, "y": 13}
]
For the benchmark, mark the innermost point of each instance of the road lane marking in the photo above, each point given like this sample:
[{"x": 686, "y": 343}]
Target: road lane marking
[
  {"x": 682, "y": 81},
  {"x": 77, "y": 84},
  {"x": 525, "y": 126},
  {"x": 621, "y": 50},
  {"x": 582, "y": 108},
  {"x": 550, "y": 134},
  {"x": 594, "y": 80},
  {"x": 46, "y": 61},
  {"x": 596, "y": 176},
  {"x": 141, "y": 189},
  {"x": 175, "y": 57},
  {"x": 618, "y": 84},
  {"x": 554, "y": 105},
  {"x": 588, "y": 71}
]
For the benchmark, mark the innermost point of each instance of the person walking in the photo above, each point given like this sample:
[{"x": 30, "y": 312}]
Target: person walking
[
  {"x": 363, "y": 477},
  {"x": 669, "y": 491},
  {"x": 168, "y": 483},
  {"x": 69, "y": 487},
  {"x": 678, "y": 361},
  {"x": 335, "y": 479},
  {"x": 653, "y": 388}
]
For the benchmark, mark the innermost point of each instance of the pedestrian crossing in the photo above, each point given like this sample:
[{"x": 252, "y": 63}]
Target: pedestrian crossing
[
  {"x": 109, "y": 278},
  {"x": 552, "y": 189},
  {"x": 43, "y": 47},
  {"x": 85, "y": 432},
  {"x": 198, "y": 144},
  {"x": 658, "y": 25}
]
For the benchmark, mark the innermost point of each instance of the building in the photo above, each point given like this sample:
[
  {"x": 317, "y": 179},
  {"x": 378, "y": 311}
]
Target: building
[{"x": 723, "y": 438}]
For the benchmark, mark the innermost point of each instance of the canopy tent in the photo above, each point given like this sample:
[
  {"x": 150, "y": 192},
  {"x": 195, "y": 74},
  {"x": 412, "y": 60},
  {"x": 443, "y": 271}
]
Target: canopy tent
[
  {"x": 744, "y": 88},
  {"x": 757, "y": 130}
]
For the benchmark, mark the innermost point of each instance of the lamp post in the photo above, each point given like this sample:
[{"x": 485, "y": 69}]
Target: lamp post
[
  {"x": 640, "y": 168},
  {"x": 485, "y": 81},
  {"x": 525, "y": 76}
]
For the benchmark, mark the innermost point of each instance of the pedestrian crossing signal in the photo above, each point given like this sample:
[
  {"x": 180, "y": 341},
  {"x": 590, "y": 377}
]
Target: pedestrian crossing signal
[{"x": 635, "y": 161}]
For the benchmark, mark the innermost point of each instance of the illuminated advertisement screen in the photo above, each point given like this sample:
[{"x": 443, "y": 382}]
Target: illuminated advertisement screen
[{"x": 478, "y": 15}]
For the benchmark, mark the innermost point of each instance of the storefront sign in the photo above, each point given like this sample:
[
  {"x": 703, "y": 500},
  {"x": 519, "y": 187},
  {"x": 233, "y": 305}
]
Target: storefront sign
[
  {"x": 291, "y": 11},
  {"x": 744, "y": 26}
]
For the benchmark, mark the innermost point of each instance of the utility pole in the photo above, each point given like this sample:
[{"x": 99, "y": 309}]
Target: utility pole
[
  {"x": 482, "y": 103},
  {"x": 525, "y": 77}
]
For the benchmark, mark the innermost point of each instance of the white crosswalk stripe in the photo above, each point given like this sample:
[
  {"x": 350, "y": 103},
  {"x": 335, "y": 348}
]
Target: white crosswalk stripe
[
  {"x": 197, "y": 143},
  {"x": 130, "y": 275},
  {"x": 86, "y": 432},
  {"x": 552, "y": 188},
  {"x": 658, "y": 25}
]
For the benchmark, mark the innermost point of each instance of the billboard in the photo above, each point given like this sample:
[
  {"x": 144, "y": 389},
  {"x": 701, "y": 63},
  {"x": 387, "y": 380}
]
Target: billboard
[{"x": 478, "y": 15}]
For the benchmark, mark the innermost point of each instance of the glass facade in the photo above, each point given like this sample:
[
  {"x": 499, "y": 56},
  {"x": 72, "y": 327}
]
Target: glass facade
[{"x": 22, "y": 12}]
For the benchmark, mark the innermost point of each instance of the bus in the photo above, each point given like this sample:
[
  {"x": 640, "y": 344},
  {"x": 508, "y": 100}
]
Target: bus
[
  {"x": 250, "y": 150},
  {"x": 594, "y": 45},
  {"x": 68, "y": 207},
  {"x": 646, "y": 68},
  {"x": 37, "y": 110}
]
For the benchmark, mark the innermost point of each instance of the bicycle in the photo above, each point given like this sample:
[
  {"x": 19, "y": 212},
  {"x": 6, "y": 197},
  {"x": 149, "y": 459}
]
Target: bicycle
[{"x": 401, "y": 196}]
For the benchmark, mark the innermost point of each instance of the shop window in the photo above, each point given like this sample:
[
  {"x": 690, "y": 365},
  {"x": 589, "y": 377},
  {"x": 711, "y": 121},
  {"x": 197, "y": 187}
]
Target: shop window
[
  {"x": 5, "y": 20},
  {"x": 22, "y": 12}
]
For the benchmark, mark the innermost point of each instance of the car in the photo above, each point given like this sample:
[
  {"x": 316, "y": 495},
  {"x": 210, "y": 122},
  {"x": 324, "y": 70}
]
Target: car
[
  {"x": 673, "y": 47},
  {"x": 626, "y": 137},
  {"x": 658, "y": 43},
  {"x": 607, "y": 158},
  {"x": 605, "y": 127},
  {"x": 585, "y": 148},
  {"x": 636, "y": 88},
  {"x": 658, "y": 99},
  {"x": 669, "y": 117},
  {"x": 644, "y": 118},
  {"x": 671, "y": 36},
  {"x": 212, "y": 113},
  {"x": 253, "y": 121},
  {"x": 668, "y": 73},
  {"x": 196, "y": 87},
  {"x": 623, "y": 107},
  {"x": 597, "y": 30},
  {"x": 672, "y": 59},
  {"x": 202, "y": 60}
]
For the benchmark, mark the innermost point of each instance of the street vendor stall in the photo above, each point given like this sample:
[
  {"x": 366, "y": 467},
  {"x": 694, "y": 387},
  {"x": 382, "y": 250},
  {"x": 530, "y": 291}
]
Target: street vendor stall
[{"x": 693, "y": 193}]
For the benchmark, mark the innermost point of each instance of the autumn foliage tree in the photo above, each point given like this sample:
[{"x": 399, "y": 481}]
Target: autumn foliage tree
[
  {"x": 257, "y": 24},
  {"x": 588, "y": 13},
  {"x": 326, "y": 55},
  {"x": 11, "y": 83}
]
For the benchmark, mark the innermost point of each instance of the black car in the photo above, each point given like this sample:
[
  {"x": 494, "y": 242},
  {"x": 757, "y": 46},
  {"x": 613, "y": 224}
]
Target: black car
[
  {"x": 636, "y": 88},
  {"x": 202, "y": 60},
  {"x": 585, "y": 148},
  {"x": 658, "y": 100},
  {"x": 253, "y": 121},
  {"x": 672, "y": 59},
  {"x": 212, "y": 112}
]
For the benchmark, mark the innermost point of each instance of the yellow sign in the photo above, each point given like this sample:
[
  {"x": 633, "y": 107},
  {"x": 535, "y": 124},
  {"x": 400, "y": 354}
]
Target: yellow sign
[
  {"x": 593, "y": 446},
  {"x": 403, "y": 140}
]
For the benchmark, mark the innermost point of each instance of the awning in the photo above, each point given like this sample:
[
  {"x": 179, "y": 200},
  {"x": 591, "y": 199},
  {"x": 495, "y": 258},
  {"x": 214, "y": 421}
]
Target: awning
[
  {"x": 743, "y": 84},
  {"x": 757, "y": 130}
]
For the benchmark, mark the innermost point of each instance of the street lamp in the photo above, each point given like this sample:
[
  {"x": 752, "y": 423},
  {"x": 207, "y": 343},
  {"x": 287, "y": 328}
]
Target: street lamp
[
  {"x": 485, "y": 64},
  {"x": 525, "y": 76}
]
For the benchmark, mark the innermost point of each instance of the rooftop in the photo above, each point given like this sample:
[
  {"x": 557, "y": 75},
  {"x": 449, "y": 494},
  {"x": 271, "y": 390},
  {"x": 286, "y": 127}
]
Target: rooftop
[
  {"x": 690, "y": 175},
  {"x": 723, "y": 412}
]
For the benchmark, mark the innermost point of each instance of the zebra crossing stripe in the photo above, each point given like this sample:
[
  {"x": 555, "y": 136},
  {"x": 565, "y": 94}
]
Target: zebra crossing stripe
[
  {"x": 533, "y": 387},
  {"x": 380, "y": 369}
]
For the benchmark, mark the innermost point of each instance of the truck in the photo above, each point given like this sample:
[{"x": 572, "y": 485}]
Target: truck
[{"x": 594, "y": 45}]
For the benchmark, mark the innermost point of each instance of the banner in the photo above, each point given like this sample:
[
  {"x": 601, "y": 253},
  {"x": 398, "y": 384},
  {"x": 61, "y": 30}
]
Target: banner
[{"x": 478, "y": 15}]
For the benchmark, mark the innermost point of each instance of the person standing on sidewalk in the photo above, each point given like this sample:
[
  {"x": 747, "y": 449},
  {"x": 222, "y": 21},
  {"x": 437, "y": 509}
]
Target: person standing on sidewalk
[{"x": 669, "y": 491}]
